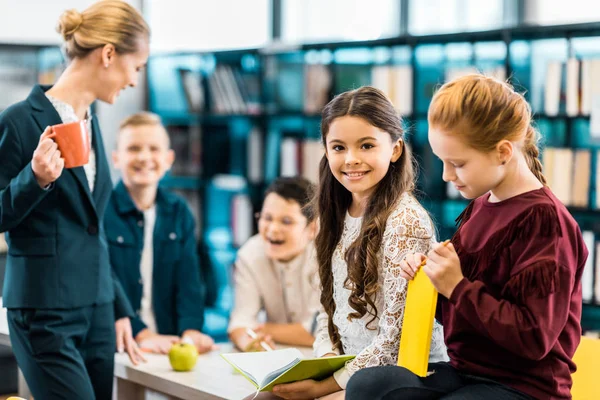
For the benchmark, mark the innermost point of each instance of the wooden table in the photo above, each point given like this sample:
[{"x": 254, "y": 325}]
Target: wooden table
[{"x": 212, "y": 378}]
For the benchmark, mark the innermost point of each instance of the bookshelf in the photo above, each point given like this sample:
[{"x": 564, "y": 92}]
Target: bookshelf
[{"x": 258, "y": 114}]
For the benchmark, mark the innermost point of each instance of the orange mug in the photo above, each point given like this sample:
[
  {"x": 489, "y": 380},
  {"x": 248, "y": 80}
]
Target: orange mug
[{"x": 73, "y": 141}]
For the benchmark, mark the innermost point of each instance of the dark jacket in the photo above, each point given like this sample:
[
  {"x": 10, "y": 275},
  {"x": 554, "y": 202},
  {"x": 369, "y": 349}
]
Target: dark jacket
[
  {"x": 177, "y": 291},
  {"x": 58, "y": 254}
]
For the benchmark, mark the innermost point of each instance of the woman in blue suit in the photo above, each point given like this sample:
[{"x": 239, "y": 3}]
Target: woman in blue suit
[{"x": 61, "y": 296}]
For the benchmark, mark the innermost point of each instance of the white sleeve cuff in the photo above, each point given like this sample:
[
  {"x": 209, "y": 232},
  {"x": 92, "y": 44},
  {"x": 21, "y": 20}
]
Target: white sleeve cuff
[
  {"x": 342, "y": 376},
  {"x": 323, "y": 348}
]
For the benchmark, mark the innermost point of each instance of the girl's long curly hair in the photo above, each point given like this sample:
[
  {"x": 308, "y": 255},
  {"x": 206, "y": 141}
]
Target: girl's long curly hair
[{"x": 333, "y": 200}]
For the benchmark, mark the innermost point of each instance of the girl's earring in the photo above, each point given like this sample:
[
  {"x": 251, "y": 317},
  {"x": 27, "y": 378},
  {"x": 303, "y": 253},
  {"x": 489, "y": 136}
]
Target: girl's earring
[{"x": 106, "y": 65}]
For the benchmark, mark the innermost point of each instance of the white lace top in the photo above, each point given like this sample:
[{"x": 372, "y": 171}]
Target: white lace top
[{"x": 408, "y": 230}]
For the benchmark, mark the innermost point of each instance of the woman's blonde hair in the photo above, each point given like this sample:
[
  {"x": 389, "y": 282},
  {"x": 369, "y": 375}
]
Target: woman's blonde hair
[
  {"x": 484, "y": 110},
  {"x": 104, "y": 22}
]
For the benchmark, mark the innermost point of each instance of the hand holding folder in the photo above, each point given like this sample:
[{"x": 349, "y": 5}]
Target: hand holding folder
[{"x": 417, "y": 326}]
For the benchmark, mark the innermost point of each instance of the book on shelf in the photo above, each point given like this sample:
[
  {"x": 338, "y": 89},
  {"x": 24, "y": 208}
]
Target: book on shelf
[
  {"x": 573, "y": 67},
  {"x": 290, "y": 160},
  {"x": 587, "y": 278},
  {"x": 232, "y": 91},
  {"x": 191, "y": 82},
  {"x": 581, "y": 178},
  {"x": 317, "y": 84},
  {"x": 573, "y": 87},
  {"x": 552, "y": 88},
  {"x": 568, "y": 174},
  {"x": 241, "y": 219},
  {"x": 186, "y": 143},
  {"x": 267, "y": 369},
  {"x": 255, "y": 156},
  {"x": 594, "y": 97},
  {"x": 396, "y": 81},
  {"x": 301, "y": 158}
]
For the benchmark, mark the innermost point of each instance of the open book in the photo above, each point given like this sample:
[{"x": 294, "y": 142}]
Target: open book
[{"x": 270, "y": 368}]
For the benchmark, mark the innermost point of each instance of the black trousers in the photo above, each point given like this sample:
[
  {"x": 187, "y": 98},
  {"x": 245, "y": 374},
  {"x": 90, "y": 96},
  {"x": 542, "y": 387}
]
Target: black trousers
[
  {"x": 65, "y": 354},
  {"x": 391, "y": 382}
]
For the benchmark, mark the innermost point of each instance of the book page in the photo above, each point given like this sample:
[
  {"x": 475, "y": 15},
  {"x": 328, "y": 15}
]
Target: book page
[{"x": 261, "y": 365}]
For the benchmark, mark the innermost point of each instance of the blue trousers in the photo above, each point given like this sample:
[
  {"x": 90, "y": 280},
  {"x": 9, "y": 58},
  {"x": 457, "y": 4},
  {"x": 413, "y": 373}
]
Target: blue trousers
[
  {"x": 391, "y": 383},
  {"x": 65, "y": 354}
]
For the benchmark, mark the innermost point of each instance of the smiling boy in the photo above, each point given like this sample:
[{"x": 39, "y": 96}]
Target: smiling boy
[{"x": 152, "y": 243}]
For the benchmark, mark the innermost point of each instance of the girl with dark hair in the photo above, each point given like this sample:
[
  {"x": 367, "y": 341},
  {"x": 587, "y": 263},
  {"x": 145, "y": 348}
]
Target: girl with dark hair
[{"x": 369, "y": 220}]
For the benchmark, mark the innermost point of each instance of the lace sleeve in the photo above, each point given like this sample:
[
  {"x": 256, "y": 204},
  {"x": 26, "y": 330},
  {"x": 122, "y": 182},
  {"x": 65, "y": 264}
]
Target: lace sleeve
[
  {"x": 322, "y": 344},
  {"x": 408, "y": 230}
]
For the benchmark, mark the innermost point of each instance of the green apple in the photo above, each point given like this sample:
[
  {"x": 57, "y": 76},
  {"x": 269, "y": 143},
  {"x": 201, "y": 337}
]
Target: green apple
[{"x": 183, "y": 356}]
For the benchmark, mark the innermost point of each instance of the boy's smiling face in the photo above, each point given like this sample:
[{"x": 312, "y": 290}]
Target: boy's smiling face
[
  {"x": 283, "y": 228},
  {"x": 143, "y": 155}
]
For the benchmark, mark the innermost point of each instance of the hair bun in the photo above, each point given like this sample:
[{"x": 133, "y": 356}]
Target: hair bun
[{"x": 68, "y": 23}]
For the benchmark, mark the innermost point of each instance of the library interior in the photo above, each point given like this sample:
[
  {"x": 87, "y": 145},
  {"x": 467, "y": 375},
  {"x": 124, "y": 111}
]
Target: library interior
[{"x": 222, "y": 238}]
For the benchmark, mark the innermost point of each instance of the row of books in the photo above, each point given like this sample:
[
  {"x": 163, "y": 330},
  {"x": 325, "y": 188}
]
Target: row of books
[
  {"x": 568, "y": 173},
  {"x": 288, "y": 156},
  {"x": 306, "y": 88},
  {"x": 572, "y": 87},
  {"x": 230, "y": 91}
]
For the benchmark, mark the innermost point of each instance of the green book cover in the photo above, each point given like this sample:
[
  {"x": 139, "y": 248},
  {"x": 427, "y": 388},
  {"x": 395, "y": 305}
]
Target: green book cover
[{"x": 267, "y": 369}]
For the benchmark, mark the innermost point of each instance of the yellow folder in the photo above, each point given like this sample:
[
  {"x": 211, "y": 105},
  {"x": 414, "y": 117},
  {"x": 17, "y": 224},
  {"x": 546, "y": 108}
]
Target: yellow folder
[{"x": 417, "y": 328}]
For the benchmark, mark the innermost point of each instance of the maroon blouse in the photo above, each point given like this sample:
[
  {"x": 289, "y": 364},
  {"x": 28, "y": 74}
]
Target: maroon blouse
[{"x": 515, "y": 317}]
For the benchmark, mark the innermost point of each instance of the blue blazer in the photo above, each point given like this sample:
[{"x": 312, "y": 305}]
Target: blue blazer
[
  {"x": 177, "y": 291},
  {"x": 57, "y": 248}
]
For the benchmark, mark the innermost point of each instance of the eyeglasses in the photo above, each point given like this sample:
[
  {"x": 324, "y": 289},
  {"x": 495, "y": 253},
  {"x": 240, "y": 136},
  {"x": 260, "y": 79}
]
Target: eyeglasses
[{"x": 268, "y": 219}]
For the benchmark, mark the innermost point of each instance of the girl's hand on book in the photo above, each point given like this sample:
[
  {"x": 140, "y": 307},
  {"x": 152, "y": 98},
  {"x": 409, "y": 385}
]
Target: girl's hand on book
[
  {"x": 410, "y": 265},
  {"x": 443, "y": 268},
  {"x": 307, "y": 389}
]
